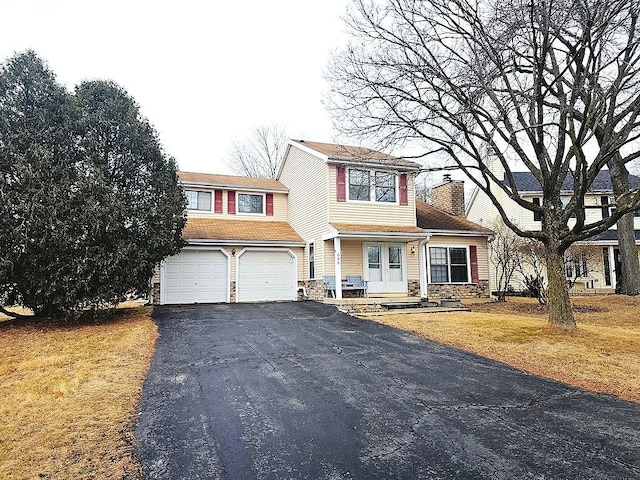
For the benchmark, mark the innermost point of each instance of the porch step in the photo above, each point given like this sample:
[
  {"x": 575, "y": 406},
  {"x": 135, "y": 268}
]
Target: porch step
[{"x": 403, "y": 305}]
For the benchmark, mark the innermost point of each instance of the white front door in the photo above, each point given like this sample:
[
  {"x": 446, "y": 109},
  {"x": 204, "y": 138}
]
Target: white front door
[{"x": 385, "y": 267}]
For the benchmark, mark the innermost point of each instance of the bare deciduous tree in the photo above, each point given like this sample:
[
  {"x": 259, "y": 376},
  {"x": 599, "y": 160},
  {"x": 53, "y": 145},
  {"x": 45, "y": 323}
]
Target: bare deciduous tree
[
  {"x": 506, "y": 258},
  {"x": 259, "y": 155},
  {"x": 531, "y": 81}
]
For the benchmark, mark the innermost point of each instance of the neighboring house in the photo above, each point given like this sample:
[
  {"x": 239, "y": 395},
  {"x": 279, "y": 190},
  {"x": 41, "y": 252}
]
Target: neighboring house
[
  {"x": 595, "y": 272},
  {"x": 333, "y": 211}
]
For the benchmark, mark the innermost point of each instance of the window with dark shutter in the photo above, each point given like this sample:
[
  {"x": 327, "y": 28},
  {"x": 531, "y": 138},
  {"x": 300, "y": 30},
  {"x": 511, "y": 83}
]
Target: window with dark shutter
[{"x": 537, "y": 216}]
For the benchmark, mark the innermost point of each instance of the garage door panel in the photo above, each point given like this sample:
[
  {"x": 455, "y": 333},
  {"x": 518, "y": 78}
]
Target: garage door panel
[
  {"x": 266, "y": 276},
  {"x": 196, "y": 276}
]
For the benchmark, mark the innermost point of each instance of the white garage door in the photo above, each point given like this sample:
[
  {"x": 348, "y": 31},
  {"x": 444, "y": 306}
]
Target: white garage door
[
  {"x": 195, "y": 276},
  {"x": 266, "y": 276}
]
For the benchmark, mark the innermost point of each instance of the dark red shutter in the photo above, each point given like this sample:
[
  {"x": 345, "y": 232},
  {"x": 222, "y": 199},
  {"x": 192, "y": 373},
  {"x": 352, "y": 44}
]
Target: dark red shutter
[
  {"x": 218, "y": 201},
  {"x": 341, "y": 184},
  {"x": 473, "y": 254},
  {"x": 231, "y": 202},
  {"x": 270, "y": 204},
  {"x": 404, "y": 198}
]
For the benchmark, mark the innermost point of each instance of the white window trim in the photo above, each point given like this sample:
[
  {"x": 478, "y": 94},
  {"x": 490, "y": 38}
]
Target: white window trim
[
  {"x": 213, "y": 200},
  {"x": 372, "y": 186},
  {"x": 310, "y": 246},
  {"x": 264, "y": 203},
  {"x": 447, "y": 247}
]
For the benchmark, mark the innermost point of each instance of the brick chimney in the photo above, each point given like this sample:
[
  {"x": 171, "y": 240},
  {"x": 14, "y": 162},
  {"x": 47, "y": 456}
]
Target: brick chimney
[{"x": 449, "y": 196}]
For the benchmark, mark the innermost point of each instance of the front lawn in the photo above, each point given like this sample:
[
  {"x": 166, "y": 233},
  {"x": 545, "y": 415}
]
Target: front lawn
[
  {"x": 602, "y": 354},
  {"x": 69, "y": 395}
]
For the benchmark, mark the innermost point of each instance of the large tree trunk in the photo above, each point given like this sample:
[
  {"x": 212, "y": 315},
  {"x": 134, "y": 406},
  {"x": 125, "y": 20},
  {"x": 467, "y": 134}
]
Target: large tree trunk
[
  {"x": 560, "y": 312},
  {"x": 628, "y": 281}
]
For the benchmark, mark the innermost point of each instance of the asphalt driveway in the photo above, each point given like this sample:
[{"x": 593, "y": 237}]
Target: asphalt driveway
[{"x": 299, "y": 390}]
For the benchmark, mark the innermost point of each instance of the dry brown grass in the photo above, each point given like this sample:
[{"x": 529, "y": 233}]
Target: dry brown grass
[
  {"x": 602, "y": 354},
  {"x": 69, "y": 394}
]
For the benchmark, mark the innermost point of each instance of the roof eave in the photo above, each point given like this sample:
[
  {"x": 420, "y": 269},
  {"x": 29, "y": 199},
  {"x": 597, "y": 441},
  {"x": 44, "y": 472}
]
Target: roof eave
[
  {"x": 260, "y": 243},
  {"x": 234, "y": 187}
]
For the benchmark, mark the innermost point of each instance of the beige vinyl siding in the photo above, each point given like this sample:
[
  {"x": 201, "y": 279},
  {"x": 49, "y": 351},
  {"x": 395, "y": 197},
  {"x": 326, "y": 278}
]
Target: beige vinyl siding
[
  {"x": 413, "y": 261},
  {"x": 305, "y": 176},
  {"x": 280, "y": 208},
  {"x": 328, "y": 259},
  {"x": 375, "y": 213},
  {"x": 352, "y": 258},
  {"x": 479, "y": 242}
]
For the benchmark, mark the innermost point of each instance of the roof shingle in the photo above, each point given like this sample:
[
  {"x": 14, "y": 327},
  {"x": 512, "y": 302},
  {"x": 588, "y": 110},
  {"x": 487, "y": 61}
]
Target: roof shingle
[
  {"x": 431, "y": 218},
  {"x": 249, "y": 230},
  {"x": 231, "y": 181},
  {"x": 350, "y": 153},
  {"x": 369, "y": 228},
  {"x": 526, "y": 182}
]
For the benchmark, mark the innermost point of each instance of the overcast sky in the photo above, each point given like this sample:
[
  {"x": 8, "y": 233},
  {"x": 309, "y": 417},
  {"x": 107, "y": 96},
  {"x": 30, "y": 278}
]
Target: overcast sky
[{"x": 204, "y": 73}]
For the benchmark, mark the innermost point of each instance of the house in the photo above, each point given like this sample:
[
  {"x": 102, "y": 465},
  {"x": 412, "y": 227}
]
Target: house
[
  {"x": 333, "y": 211},
  {"x": 595, "y": 272}
]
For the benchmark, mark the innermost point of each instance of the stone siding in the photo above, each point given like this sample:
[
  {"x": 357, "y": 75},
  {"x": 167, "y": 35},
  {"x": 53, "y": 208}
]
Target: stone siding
[
  {"x": 314, "y": 288},
  {"x": 155, "y": 293},
  {"x": 468, "y": 290},
  {"x": 232, "y": 292},
  {"x": 414, "y": 288}
]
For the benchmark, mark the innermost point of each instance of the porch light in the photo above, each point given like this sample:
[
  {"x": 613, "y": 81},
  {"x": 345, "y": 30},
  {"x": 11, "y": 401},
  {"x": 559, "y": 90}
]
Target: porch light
[{"x": 413, "y": 249}]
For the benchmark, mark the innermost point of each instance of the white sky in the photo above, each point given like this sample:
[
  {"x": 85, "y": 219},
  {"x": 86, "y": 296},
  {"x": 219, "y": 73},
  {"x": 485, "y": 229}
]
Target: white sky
[{"x": 203, "y": 73}]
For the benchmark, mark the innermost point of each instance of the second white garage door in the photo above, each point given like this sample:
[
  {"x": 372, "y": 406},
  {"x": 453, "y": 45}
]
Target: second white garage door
[{"x": 266, "y": 276}]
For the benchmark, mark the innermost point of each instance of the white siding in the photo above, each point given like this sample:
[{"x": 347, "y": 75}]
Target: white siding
[
  {"x": 371, "y": 212},
  {"x": 306, "y": 178}
]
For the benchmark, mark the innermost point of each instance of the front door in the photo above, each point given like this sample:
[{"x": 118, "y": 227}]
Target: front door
[{"x": 385, "y": 268}]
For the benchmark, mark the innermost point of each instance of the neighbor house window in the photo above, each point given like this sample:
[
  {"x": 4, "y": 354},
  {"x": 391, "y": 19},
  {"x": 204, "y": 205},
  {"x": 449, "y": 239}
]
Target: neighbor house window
[
  {"x": 365, "y": 185},
  {"x": 312, "y": 261},
  {"x": 198, "y": 200},
  {"x": 537, "y": 216},
  {"x": 248, "y": 203},
  {"x": 448, "y": 265},
  {"x": 576, "y": 266},
  {"x": 565, "y": 202}
]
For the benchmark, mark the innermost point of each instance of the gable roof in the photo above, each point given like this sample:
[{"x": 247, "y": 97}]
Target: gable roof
[
  {"x": 337, "y": 153},
  {"x": 527, "y": 182},
  {"x": 198, "y": 228},
  {"x": 431, "y": 218},
  {"x": 231, "y": 181}
]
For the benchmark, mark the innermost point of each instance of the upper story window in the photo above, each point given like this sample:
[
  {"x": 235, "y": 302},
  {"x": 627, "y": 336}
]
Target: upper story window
[
  {"x": 365, "y": 185},
  {"x": 251, "y": 203},
  {"x": 198, "y": 200},
  {"x": 359, "y": 185},
  {"x": 385, "y": 187}
]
